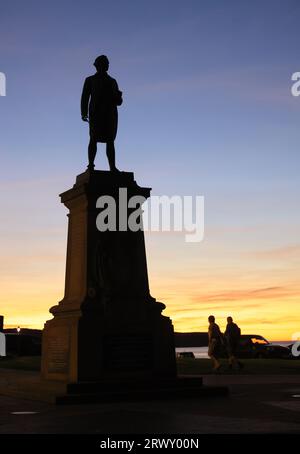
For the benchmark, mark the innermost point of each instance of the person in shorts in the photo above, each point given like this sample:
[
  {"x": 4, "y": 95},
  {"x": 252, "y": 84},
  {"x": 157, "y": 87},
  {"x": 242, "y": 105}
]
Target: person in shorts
[{"x": 215, "y": 340}]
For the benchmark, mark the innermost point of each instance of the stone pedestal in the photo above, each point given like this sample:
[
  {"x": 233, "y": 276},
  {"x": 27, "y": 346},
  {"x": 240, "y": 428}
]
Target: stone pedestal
[{"x": 107, "y": 327}]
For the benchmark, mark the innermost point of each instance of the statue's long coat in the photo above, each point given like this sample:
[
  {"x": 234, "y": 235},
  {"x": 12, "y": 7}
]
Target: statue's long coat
[{"x": 99, "y": 101}]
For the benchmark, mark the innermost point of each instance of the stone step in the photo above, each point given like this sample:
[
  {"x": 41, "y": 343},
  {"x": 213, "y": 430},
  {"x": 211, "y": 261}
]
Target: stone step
[
  {"x": 134, "y": 384},
  {"x": 143, "y": 394}
]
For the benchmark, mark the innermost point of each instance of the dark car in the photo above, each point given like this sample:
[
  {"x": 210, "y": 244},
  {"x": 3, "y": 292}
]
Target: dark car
[
  {"x": 22, "y": 345},
  {"x": 255, "y": 346},
  {"x": 185, "y": 355}
]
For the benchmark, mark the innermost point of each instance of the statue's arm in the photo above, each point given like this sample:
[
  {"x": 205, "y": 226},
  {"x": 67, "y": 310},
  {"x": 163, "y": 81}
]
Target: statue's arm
[
  {"x": 118, "y": 94},
  {"x": 85, "y": 97}
]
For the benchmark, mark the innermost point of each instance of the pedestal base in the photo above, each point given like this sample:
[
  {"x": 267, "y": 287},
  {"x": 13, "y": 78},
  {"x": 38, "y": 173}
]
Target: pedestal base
[
  {"x": 90, "y": 348},
  {"x": 107, "y": 326}
]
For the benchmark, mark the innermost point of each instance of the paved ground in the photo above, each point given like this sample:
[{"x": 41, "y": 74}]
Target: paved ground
[{"x": 257, "y": 404}]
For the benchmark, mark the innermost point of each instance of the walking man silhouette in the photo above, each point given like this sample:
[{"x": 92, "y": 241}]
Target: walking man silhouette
[{"x": 232, "y": 336}]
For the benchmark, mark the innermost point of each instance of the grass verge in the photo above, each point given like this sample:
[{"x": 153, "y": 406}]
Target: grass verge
[
  {"x": 185, "y": 366},
  {"x": 21, "y": 362}
]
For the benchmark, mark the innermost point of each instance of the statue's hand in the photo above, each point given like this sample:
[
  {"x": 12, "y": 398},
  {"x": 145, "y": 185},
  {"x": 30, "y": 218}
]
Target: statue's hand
[{"x": 85, "y": 119}]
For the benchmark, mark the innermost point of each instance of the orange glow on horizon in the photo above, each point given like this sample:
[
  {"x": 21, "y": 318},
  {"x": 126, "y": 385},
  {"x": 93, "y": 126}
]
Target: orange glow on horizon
[
  {"x": 261, "y": 290},
  {"x": 269, "y": 315}
]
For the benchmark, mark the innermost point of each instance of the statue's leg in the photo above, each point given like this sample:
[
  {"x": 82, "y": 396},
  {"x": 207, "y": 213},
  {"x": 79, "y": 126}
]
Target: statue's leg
[
  {"x": 111, "y": 156},
  {"x": 92, "y": 150}
]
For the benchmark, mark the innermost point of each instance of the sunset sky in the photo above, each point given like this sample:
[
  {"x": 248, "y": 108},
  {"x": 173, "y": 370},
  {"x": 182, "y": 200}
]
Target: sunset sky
[{"x": 207, "y": 111}]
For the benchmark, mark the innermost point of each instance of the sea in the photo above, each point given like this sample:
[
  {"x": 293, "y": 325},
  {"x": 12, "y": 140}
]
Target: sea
[{"x": 201, "y": 352}]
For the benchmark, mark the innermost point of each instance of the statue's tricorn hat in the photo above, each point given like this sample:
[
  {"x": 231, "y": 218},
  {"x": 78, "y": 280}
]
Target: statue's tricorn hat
[{"x": 101, "y": 59}]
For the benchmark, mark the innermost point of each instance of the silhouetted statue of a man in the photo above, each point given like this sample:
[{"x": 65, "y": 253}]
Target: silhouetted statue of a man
[{"x": 99, "y": 101}]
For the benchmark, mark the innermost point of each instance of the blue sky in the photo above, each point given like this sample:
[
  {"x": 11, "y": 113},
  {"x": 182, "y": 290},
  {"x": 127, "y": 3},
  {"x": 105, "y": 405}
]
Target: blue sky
[
  {"x": 202, "y": 81},
  {"x": 207, "y": 110}
]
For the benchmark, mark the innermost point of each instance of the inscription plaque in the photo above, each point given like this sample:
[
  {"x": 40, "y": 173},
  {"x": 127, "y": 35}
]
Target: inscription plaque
[{"x": 58, "y": 351}]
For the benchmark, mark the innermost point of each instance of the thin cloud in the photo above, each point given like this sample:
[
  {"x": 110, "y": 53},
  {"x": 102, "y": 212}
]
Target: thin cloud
[
  {"x": 256, "y": 85},
  {"x": 34, "y": 258},
  {"x": 285, "y": 252},
  {"x": 197, "y": 308},
  {"x": 31, "y": 183},
  {"x": 238, "y": 295}
]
